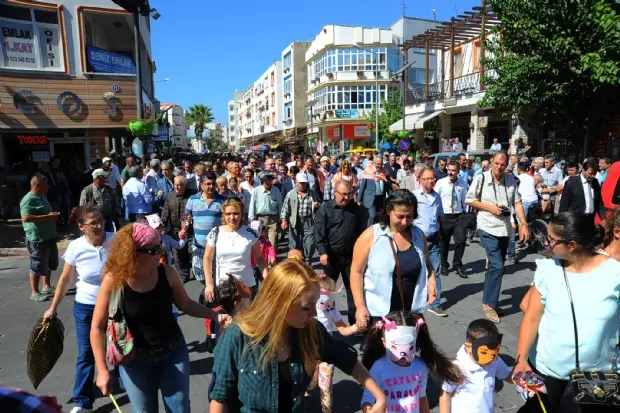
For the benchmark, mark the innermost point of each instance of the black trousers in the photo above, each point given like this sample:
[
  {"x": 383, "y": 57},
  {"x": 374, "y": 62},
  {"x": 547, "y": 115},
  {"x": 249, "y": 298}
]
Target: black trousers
[
  {"x": 183, "y": 259},
  {"x": 559, "y": 399},
  {"x": 340, "y": 265},
  {"x": 452, "y": 226}
]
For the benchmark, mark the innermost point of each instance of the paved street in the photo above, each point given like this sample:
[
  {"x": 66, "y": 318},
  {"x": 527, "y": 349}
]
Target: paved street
[{"x": 18, "y": 316}]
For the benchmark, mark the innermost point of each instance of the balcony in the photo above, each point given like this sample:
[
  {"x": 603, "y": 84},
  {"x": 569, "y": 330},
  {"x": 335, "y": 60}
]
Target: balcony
[{"x": 463, "y": 86}]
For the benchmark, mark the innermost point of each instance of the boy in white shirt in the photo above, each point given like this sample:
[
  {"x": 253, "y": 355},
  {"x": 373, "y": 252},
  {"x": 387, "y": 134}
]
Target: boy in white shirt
[{"x": 479, "y": 361}]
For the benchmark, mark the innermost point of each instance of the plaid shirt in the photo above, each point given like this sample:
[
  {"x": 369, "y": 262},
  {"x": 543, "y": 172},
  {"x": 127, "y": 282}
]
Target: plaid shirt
[
  {"x": 327, "y": 186},
  {"x": 102, "y": 199},
  {"x": 304, "y": 209},
  {"x": 239, "y": 382}
]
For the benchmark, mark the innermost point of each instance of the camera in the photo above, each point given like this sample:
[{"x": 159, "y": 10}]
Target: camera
[{"x": 505, "y": 211}]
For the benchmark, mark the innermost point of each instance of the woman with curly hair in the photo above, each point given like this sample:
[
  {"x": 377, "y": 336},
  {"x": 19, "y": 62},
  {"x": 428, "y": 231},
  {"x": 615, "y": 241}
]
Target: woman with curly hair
[
  {"x": 346, "y": 172},
  {"x": 267, "y": 358},
  {"x": 148, "y": 290}
]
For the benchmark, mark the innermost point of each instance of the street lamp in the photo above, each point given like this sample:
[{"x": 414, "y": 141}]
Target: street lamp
[{"x": 310, "y": 105}]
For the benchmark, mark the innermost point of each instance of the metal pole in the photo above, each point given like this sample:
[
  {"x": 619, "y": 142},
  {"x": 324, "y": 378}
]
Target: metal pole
[
  {"x": 378, "y": 105},
  {"x": 139, "y": 102},
  {"x": 404, "y": 81},
  {"x": 312, "y": 121}
]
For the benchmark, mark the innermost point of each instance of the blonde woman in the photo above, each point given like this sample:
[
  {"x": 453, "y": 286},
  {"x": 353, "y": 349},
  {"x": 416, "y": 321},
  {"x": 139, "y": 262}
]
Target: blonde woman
[
  {"x": 230, "y": 247},
  {"x": 346, "y": 172},
  {"x": 266, "y": 359}
]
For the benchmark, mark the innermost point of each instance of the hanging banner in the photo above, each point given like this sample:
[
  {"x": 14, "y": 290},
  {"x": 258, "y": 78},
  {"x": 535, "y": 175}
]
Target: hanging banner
[
  {"x": 103, "y": 61},
  {"x": 162, "y": 134}
]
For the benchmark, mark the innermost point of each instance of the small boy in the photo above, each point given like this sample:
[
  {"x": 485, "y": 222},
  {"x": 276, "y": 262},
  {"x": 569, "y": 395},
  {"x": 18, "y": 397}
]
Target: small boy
[{"x": 479, "y": 361}]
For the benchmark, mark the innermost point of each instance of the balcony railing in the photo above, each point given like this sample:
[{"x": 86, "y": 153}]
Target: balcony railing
[{"x": 463, "y": 85}]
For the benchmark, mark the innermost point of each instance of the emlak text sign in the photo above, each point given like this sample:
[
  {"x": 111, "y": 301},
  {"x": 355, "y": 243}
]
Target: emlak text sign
[{"x": 103, "y": 61}]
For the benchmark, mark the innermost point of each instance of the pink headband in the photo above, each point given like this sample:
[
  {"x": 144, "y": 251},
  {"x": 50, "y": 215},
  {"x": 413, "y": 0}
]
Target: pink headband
[{"x": 143, "y": 235}]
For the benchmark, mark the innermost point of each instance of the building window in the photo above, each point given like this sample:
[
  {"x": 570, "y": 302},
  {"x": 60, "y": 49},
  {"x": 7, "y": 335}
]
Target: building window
[
  {"x": 288, "y": 110},
  {"x": 353, "y": 60},
  {"x": 477, "y": 55},
  {"x": 273, "y": 99},
  {"x": 273, "y": 118},
  {"x": 286, "y": 61},
  {"x": 422, "y": 51},
  {"x": 418, "y": 76},
  {"x": 349, "y": 97},
  {"x": 273, "y": 78},
  {"x": 458, "y": 62},
  {"x": 288, "y": 84},
  {"x": 30, "y": 38}
]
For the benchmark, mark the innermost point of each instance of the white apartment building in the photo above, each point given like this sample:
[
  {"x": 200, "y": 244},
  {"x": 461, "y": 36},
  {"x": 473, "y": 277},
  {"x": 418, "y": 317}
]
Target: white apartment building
[
  {"x": 177, "y": 130},
  {"x": 267, "y": 101},
  {"x": 245, "y": 115},
  {"x": 294, "y": 85},
  {"x": 344, "y": 64},
  {"x": 233, "y": 118}
]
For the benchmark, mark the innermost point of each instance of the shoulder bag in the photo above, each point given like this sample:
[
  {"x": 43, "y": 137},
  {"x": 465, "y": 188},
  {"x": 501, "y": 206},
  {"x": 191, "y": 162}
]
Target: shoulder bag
[
  {"x": 120, "y": 348},
  {"x": 591, "y": 387}
]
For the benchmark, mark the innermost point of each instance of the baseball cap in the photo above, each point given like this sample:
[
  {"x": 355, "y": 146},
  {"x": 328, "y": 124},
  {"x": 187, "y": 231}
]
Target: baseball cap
[
  {"x": 100, "y": 172},
  {"x": 301, "y": 177},
  {"x": 106, "y": 159},
  {"x": 265, "y": 175},
  {"x": 153, "y": 220}
]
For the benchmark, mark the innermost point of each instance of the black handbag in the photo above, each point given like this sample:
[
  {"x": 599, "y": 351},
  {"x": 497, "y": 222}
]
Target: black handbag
[{"x": 591, "y": 387}]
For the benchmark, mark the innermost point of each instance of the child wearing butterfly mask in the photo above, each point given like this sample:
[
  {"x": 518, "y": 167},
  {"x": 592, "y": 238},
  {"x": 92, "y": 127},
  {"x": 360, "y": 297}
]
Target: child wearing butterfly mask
[
  {"x": 479, "y": 361},
  {"x": 328, "y": 315},
  {"x": 391, "y": 356}
]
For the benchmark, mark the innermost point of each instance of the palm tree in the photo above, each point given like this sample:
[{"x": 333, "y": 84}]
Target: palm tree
[{"x": 199, "y": 115}]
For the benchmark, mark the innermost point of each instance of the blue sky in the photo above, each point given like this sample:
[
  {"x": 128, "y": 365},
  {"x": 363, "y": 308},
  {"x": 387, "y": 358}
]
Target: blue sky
[{"x": 209, "y": 48}]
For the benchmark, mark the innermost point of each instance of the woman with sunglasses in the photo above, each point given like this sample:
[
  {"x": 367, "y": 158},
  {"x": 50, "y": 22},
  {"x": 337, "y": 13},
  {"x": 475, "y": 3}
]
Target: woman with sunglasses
[
  {"x": 148, "y": 290},
  {"x": 85, "y": 258},
  {"x": 346, "y": 172},
  {"x": 594, "y": 284}
]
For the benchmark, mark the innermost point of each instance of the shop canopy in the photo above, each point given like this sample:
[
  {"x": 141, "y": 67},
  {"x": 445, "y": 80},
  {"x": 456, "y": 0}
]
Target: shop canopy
[{"x": 415, "y": 121}]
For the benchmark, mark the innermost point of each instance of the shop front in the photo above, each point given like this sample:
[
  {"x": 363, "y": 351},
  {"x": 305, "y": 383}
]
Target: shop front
[
  {"x": 348, "y": 136},
  {"x": 72, "y": 119}
]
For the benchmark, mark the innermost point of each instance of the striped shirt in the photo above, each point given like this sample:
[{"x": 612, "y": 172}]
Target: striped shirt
[{"x": 204, "y": 216}]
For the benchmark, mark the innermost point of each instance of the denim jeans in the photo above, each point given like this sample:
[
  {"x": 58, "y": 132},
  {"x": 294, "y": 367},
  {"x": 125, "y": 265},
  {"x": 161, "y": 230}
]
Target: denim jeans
[
  {"x": 496, "y": 249},
  {"x": 512, "y": 245},
  {"x": 85, "y": 367},
  {"x": 166, "y": 370},
  {"x": 433, "y": 252}
]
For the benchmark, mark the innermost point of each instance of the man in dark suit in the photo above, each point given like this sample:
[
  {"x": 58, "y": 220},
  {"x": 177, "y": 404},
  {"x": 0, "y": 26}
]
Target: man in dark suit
[
  {"x": 582, "y": 193},
  {"x": 371, "y": 193},
  {"x": 391, "y": 170}
]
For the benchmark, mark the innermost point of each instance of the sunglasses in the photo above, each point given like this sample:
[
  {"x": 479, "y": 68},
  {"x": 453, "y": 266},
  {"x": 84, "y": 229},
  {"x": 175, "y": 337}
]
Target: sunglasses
[
  {"x": 155, "y": 250},
  {"x": 553, "y": 242}
]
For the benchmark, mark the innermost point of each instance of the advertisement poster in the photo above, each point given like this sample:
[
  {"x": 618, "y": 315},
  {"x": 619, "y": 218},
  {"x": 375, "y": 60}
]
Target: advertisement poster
[
  {"x": 18, "y": 45},
  {"x": 103, "y": 61}
]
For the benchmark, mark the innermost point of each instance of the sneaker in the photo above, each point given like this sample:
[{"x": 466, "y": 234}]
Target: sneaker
[
  {"x": 78, "y": 409},
  {"x": 438, "y": 311},
  {"x": 38, "y": 297}
]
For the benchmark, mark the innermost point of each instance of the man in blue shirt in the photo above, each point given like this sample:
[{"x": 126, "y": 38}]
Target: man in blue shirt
[
  {"x": 429, "y": 211},
  {"x": 464, "y": 174},
  {"x": 205, "y": 212},
  {"x": 138, "y": 198}
]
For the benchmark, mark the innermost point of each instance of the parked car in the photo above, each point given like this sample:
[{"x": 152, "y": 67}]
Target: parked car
[{"x": 479, "y": 156}]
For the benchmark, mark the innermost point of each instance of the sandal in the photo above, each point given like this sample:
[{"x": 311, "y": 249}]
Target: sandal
[
  {"x": 491, "y": 315},
  {"x": 49, "y": 291},
  {"x": 38, "y": 297}
]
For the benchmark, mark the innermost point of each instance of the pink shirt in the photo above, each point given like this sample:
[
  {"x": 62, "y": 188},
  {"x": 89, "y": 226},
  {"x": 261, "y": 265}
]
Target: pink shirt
[{"x": 269, "y": 252}]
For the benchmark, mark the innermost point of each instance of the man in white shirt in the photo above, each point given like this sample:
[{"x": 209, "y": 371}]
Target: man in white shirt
[
  {"x": 527, "y": 187},
  {"x": 452, "y": 192},
  {"x": 582, "y": 193},
  {"x": 496, "y": 145},
  {"x": 457, "y": 145},
  {"x": 493, "y": 194}
]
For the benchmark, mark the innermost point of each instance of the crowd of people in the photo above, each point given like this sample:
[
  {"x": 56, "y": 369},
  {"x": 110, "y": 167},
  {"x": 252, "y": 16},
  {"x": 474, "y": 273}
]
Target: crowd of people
[{"x": 384, "y": 224}]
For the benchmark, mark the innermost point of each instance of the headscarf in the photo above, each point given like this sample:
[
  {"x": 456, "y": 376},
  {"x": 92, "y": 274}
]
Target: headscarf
[{"x": 144, "y": 235}]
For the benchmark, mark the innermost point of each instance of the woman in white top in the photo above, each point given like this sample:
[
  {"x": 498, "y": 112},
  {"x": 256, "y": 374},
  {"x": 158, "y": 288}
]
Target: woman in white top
[
  {"x": 594, "y": 283},
  {"x": 84, "y": 257},
  {"x": 230, "y": 246},
  {"x": 246, "y": 188}
]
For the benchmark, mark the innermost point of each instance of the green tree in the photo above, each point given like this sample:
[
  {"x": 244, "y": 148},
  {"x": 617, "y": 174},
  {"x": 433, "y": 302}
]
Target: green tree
[
  {"x": 391, "y": 110},
  {"x": 199, "y": 115},
  {"x": 556, "y": 64}
]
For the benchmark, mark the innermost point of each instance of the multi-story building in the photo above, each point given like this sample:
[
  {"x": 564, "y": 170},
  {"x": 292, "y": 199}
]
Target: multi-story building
[
  {"x": 267, "y": 102},
  {"x": 68, "y": 80},
  {"x": 177, "y": 130},
  {"x": 446, "y": 104},
  {"x": 245, "y": 115},
  {"x": 294, "y": 85},
  {"x": 344, "y": 64},
  {"x": 233, "y": 119}
]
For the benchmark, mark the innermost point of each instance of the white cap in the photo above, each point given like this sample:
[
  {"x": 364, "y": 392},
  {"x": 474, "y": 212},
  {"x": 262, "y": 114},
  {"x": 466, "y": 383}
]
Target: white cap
[
  {"x": 106, "y": 159},
  {"x": 301, "y": 177},
  {"x": 153, "y": 220}
]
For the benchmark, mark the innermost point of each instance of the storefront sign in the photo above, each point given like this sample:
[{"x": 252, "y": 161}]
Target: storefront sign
[
  {"x": 19, "y": 49},
  {"x": 32, "y": 142},
  {"x": 162, "y": 134},
  {"x": 356, "y": 131},
  {"x": 347, "y": 113},
  {"x": 103, "y": 61},
  {"x": 67, "y": 102}
]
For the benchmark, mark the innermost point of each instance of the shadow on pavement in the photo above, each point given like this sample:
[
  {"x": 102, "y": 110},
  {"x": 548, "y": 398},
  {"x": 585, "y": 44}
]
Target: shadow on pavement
[
  {"x": 516, "y": 295},
  {"x": 347, "y": 396},
  {"x": 460, "y": 292},
  {"x": 202, "y": 366}
]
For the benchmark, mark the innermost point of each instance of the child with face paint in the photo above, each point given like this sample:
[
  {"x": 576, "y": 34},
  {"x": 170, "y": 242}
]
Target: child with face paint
[
  {"x": 479, "y": 361},
  {"x": 390, "y": 355},
  {"x": 328, "y": 315}
]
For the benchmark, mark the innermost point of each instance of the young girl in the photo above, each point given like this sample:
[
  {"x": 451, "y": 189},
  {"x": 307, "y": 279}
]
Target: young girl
[
  {"x": 269, "y": 252},
  {"x": 328, "y": 315},
  {"x": 390, "y": 355}
]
